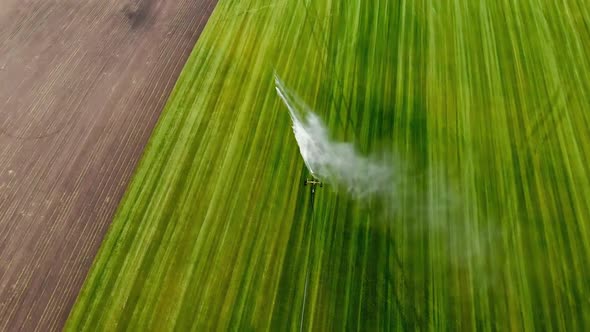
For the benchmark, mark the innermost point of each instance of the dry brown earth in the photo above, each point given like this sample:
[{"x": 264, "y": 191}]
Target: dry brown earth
[{"x": 81, "y": 86}]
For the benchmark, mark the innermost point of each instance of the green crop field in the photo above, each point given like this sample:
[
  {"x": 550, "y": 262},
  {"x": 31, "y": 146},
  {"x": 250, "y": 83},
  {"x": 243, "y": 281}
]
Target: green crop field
[{"x": 483, "y": 107}]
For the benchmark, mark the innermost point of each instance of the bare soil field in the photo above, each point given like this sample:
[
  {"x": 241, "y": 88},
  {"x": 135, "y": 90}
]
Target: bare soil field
[{"x": 82, "y": 84}]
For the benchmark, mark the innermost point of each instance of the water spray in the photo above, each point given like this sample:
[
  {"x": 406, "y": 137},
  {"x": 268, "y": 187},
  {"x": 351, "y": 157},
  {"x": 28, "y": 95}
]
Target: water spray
[{"x": 331, "y": 161}]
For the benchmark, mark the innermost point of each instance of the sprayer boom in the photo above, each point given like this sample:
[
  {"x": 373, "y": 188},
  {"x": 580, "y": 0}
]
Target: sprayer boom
[{"x": 313, "y": 183}]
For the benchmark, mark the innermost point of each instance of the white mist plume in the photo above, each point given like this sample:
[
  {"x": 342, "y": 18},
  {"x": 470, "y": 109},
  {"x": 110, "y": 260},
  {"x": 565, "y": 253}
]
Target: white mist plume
[{"x": 336, "y": 163}]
